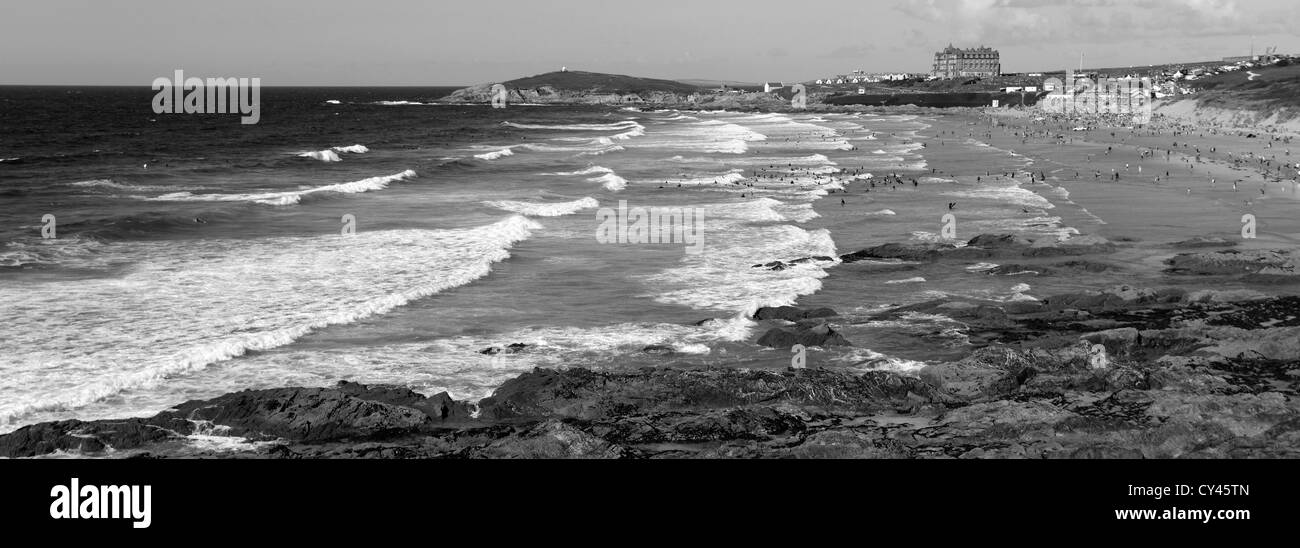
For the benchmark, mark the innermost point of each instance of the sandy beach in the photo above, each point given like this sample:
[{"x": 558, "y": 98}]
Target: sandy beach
[{"x": 1175, "y": 181}]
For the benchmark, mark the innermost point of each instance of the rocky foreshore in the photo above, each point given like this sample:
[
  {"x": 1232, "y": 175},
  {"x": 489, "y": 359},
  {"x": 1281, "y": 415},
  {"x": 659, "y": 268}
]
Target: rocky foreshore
[{"x": 1123, "y": 373}]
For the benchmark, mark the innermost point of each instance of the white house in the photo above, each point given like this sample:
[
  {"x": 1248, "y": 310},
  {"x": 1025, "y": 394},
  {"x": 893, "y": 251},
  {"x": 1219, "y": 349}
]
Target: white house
[{"x": 769, "y": 87}]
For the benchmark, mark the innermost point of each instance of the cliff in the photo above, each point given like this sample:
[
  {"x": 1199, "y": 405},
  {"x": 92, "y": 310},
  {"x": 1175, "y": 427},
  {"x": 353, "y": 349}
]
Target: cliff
[{"x": 1252, "y": 98}]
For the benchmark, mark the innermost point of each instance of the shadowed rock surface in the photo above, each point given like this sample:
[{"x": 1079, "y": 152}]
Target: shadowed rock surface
[{"x": 983, "y": 247}]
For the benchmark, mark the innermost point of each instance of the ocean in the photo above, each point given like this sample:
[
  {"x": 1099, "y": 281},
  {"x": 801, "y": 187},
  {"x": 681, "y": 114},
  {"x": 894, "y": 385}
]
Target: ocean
[{"x": 196, "y": 256}]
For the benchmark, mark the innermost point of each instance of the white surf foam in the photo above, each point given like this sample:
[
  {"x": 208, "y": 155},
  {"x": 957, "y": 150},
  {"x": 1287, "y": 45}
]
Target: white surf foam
[
  {"x": 610, "y": 181},
  {"x": 1005, "y": 193},
  {"x": 73, "y": 252},
  {"x": 810, "y": 160},
  {"x": 495, "y": 155},
  {"x": 606, "y": 150},
  {"x": 723, "y": 277},
  {"x": 605, "y": 176},
  {"x": 545, "y": 210},
  {"x": 453, "y": 365},
  {"x": 624, "y": 125},
  {"x": 728, "y": 178},
  {"x": 866, "y": 359},
  {"x": 322, "y": 155},
  {"x": 108, "y": 183},
  {"x": 199, "y": 302},
  {"x": 593, "y": 170},
  {"x": 290, "y": 197}
]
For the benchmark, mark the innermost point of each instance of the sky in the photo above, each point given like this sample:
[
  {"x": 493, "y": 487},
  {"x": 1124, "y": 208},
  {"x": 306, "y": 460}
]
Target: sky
[{"x": 440, "y": 42}]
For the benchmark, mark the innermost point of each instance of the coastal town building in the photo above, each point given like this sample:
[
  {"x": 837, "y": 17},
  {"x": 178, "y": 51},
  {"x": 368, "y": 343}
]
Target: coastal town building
[
  {"x": 769, "y": 87},
  {"x": 964, "y": 63},
  {"x": 863, "y": 77}
]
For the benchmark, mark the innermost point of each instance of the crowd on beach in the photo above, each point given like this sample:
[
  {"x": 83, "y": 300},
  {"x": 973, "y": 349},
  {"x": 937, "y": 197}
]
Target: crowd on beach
[{"x": 1263, "y": 150}]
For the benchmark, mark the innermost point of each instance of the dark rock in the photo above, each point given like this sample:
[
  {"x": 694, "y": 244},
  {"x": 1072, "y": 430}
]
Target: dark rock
[
  {"x": 306, "y": 414},
  {"x": 820, "y": 335},
  {"x": 590, "y": 395},
  {"x": 659, "y": 350},
  {"x": 792, "y": 314},
  {"x": 1084, "y": 266},
  {"x": 1114, "y": 452},
  {"x": 787, "y": 313},
  {"x": 88, "y": 437},
  {"x": 1023, "y": 307},
  {"x": 509, "y": 349},
  {"x": 820, "y": 313},
  {"x": 999, "y": 241},
  {"x": 1232, "y": 262},
  {"x": 1202, "y": 241},
  {"x": 818, "y": 259},
  {"x": 986, "y": 246},
  {"x": 906, "y": 252},
  {"x": 439, "y": 407}
]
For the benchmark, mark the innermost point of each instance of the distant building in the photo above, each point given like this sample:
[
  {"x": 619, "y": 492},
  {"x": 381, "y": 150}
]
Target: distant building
[
  {"x": 769, "y": 87},
  {"x": 964, "y": 63}
]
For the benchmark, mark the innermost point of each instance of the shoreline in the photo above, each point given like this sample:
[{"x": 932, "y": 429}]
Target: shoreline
[
  {"x": 1068, "y": 390},
  {"x": 1194, "y": 361}
]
